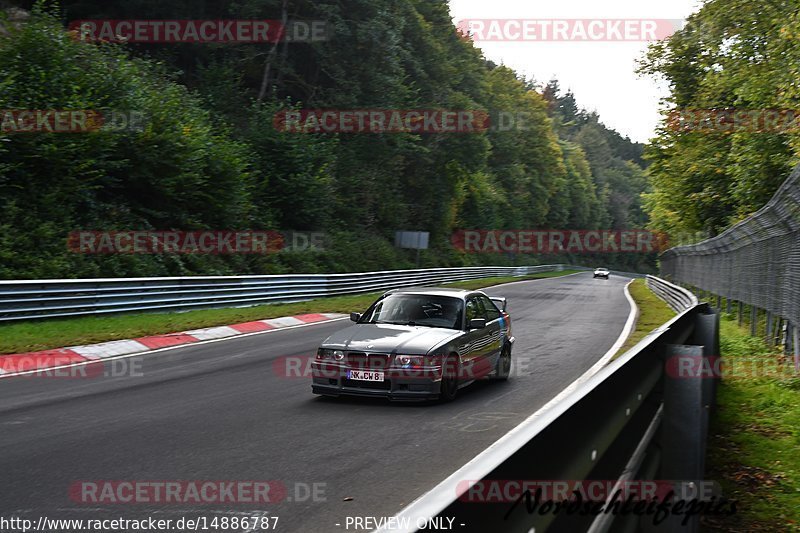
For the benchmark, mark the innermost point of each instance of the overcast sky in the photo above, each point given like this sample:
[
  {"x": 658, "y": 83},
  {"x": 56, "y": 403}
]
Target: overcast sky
[{"x": 601, "y": 74}]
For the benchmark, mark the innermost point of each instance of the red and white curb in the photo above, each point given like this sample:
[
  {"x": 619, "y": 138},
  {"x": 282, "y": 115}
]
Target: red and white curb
[{"x": 49, "y": 359}]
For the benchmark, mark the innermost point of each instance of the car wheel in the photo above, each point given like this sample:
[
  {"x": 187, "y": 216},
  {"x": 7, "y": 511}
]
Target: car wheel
[
  {"x": 503, "y": 368},
  {"x": 449, "y": 386}
]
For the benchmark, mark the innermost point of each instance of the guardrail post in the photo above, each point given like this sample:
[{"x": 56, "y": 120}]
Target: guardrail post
[
  {"x": 785, "y": 337},
  {"x": 753, "y": 320},
  {"x": 768, "y": 332},
  {"x": 739, "y": 306},
  {"x": 683, "y": 431},
  {"x": 776, "y": 334},
  {"x": 706, "y": 334},
  {"x": 796, "y": 343}
]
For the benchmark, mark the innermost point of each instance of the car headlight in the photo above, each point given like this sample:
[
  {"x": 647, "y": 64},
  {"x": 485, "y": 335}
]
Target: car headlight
[
  {"x": 325, "y": 354},
  {"x": 411, "y": 361}
]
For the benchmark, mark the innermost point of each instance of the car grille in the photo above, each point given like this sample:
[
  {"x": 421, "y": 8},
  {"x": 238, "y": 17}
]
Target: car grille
[
  {"x": 372, "y": 361},
  {"x": 374, "y": 385}
]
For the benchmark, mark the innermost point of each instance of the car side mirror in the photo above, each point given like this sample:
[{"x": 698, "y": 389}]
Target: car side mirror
[
  {"x": 355, "y": 317},
  {"x": 477, "y": 323}
]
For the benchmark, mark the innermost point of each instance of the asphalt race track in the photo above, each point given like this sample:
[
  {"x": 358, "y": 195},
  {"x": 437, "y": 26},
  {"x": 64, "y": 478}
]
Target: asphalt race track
[{"x": 225, "y": 411}]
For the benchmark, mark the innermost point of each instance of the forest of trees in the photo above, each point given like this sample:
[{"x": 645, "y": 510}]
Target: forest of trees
[
  {"x": 210, "y": 157},
  {"x": 731, "y": 55}
]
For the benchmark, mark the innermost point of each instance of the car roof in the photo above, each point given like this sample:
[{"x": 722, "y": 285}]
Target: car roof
[{"x": 434, "y": 291}]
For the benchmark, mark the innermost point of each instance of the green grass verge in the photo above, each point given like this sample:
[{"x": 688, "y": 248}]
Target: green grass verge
[
  {"x": 56, "y": 333},
  {"x": 653, "y": 312},
  {"x": 754, "y": 444}
]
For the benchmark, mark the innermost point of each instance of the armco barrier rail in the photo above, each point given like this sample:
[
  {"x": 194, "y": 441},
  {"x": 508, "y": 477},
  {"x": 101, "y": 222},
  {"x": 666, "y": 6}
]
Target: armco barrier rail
[
  {"x": 754, "y": 263},
  {"x": 633, "y": 420},
  {"x": 676, "y": 297},
  {"x": 26, "y": 300}
]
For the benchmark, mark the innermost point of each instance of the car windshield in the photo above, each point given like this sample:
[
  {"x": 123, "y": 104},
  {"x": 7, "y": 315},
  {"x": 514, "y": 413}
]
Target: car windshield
[{"x": 417, "y": 310}]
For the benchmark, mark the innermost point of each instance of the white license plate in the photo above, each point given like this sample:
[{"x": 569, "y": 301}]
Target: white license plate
[{"x": 363, "y": 375}]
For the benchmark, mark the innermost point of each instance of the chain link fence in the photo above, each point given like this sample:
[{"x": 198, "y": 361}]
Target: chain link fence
[{"x": 755, "y": 263}]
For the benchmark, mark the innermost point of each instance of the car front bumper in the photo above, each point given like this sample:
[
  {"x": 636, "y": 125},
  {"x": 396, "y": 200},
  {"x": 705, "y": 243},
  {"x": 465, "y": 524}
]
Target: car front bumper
[{"x": 332, "y": 380}]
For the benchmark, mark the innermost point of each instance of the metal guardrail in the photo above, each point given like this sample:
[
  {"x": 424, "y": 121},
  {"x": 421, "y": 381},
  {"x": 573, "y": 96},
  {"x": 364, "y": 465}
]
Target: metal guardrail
[
  {"x": 34, "y": 299},
  {"x": 678, "y": 298},
  {"x": 754, "y": 263},
  {"x": 632, "y": 420}
]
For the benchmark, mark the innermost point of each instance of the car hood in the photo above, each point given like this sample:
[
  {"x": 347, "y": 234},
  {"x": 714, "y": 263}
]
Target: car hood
[{"x": 388, "y": 338}]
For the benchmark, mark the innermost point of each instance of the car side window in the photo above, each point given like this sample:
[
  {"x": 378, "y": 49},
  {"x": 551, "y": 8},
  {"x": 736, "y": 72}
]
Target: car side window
[
  {"x": 473, "y": 309},
  {"x": 482, "y": 308},
  {"x": 491, "y": 310}
]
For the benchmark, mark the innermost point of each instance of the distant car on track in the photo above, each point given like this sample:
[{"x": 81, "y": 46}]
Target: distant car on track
[
  {"x": 417, "y": 344},
  {"x": 601, "y": 273}
]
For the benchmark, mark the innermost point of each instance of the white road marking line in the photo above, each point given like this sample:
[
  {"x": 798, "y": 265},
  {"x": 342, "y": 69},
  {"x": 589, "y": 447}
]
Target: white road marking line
[
  {"x": 219, "y": 332},
  {"x": 109, "y": 349},
  {"x": 283, "y": 322}
]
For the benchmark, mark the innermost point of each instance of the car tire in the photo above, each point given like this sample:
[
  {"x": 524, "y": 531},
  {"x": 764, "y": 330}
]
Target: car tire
[
  {"x": 449, "y": 386},
  {"x": 503, "y": 367}
]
